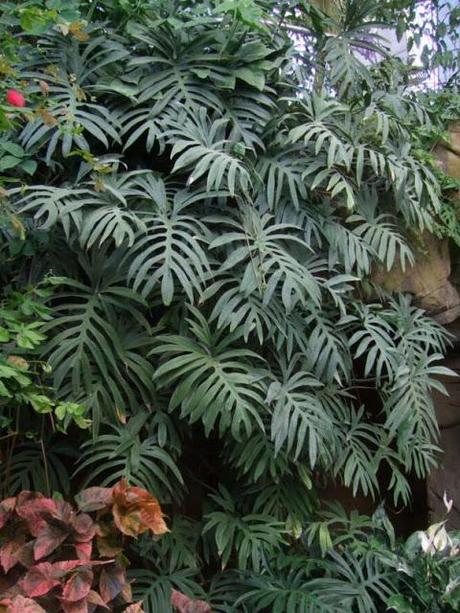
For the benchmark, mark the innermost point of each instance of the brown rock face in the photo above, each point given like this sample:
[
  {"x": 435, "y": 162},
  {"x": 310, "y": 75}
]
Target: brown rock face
[
  {"x": 428, "y": 280},
  {"x": 432, "y": 286},
  {"x": 446, "y": 478},
  {"x": 448, "y": 153}
]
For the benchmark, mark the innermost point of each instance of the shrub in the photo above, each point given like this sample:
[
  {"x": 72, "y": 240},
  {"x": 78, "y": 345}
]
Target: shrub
[
  {"x": 210, "y": 187},
  {"x": 56, "y": 557}
]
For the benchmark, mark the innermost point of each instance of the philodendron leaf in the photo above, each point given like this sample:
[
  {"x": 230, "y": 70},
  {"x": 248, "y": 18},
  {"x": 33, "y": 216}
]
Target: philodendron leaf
[{"x": 399, "y": 604}]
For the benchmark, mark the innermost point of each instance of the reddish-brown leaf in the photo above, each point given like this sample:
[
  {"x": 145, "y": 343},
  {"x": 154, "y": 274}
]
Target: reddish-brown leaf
[
  {"x": 9, "y": 552},
  {"x": 94, "y": 499},
  {"x": 60, "y": 569},
  {"x": 6, "y": 510},
  {"x": 84, "y": 528},
  {"x": 184, "y": 604},
  {"x": 19, "y": 604},
  {"x": 95, "y": 599},
  {"x": 39, "y": 580},
  {"x": 26, "y": 555},
  {"x": 127, "y": 592},
  {"x": 135, "y": 511},
  {"x": 84, "y": 550},
  {"x": 66, "y": 566},
  {"x": 63, "y": 568},
  {"x": 152, "y": 517},
  {"x": 134, "y": 520},
  {"x": 78, "y": 586},
  {"x": 134, "y": 608},
  {"x": 109, "y": 547},
  {"x": 4, "y": 604},
  {"x": 111, "y": 582},
  {"x": 103, "y": 529},
  {"x": 34, "y": 508},
  {"x": 49, "y": 539},
  {"x": 64, "y": 512},
  {"x": 79, "y": 606}
]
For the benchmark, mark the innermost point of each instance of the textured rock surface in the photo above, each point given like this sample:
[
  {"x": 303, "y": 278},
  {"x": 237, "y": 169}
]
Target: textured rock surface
[
  {"x": 449, "y": 154},
  {"x": 428, "y": 280},
  {"x": 447, "y": 477}
]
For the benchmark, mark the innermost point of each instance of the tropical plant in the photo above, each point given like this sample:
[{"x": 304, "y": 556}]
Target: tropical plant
[
  {"x": 364, "y": 567},
  {"x": 57, "y": 567},
  {"x": 32, "y": 418},
  {"x": 210, "y": 188}
]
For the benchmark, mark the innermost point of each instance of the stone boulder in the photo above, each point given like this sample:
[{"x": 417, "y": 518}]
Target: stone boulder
[{"x": 428, "y": 280}]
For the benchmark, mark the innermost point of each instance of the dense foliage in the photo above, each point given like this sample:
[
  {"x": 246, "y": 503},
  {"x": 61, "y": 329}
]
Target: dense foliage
[
  {"x": 72, "y": 562},
  {"x": 195, "y": 198}
]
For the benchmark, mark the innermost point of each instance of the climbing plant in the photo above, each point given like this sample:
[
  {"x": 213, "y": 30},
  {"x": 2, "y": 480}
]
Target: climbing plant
[{"x": 209, "y": 189}]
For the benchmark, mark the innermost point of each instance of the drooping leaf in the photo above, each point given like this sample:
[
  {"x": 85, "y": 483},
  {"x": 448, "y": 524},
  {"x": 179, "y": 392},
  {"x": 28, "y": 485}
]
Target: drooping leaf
[
  {"x": 184, "y": 604},
  {"x": 135, "y": 511},
  {"x": 39, "y": 580},
  {"x": 94, "y": 498}
]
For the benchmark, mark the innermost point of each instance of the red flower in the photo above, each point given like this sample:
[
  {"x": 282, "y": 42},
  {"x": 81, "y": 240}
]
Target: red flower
[{"x": 15, "y": 98}]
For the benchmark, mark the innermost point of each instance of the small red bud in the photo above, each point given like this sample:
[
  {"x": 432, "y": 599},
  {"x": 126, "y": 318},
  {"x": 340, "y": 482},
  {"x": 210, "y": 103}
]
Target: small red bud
[{"x": 15, "y": 98}]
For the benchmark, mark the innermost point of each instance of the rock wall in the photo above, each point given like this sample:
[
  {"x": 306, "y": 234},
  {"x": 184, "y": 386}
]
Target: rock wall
[
  {"x": 448, "y": 153},
  {"x": 446, "y": 479},
  {"x": 436, "y": 289},
  {"x": 428, "y": 280}
]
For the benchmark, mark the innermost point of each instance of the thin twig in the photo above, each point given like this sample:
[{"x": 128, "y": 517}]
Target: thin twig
[
  {"x": 45, "y": 464},
  {"x": 2, "y": 438},
  {"x": 45, "y": 461}
]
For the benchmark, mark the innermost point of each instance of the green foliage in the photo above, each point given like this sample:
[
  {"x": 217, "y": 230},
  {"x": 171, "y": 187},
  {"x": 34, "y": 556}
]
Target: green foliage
[
  {"x": 253, "y": 538},
  {"x": 221, "y": 384},
  {"x": 208, "y": 189},
  {"x": 29, "y": 406},
  {"x": 365, "y": 569},
  {"x": 123, "y": 454},
  {"x": 444, "y": 109}
]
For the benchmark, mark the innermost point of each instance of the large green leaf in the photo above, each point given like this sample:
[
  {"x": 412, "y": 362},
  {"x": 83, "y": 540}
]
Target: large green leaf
[{"x": 213, "y": 381}]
